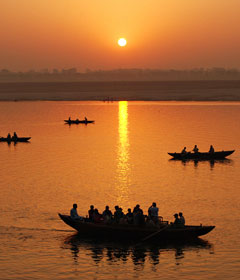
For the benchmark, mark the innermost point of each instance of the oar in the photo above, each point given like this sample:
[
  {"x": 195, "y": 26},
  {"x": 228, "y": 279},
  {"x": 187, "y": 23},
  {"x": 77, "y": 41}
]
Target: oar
[{"x": 151, "y": 235}]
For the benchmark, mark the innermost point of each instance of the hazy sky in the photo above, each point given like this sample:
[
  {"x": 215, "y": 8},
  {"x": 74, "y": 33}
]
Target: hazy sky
[{"x": 37, "y": 34}]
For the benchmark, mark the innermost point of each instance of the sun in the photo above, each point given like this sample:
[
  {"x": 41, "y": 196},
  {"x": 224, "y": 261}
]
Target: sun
[{"x": 122, "y": 42}]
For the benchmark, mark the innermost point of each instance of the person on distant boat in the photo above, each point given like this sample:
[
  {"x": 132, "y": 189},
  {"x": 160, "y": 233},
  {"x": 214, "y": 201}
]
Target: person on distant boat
[
  {"x": 211, "y": 150},
  {"x": 107, "y": 215},
  {"x": 74, "y": 214},
  {"x": 183, "y": 152},
  {"x": 90, "y": 213},
  {"x": 69, "y": 119},
  {"x": 153, "y": 212},
  {"x": 138, "y": 217},
  {"x": 181, "y": 219},
  {"x": 9, "y": 136},
  {"x": 85, "y": 119},
  {"x": 15, "y": 137},
  {"x": 195, "y": 149}
]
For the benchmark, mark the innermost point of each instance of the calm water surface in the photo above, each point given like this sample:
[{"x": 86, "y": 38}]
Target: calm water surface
[{"x": 120, "y": 160}]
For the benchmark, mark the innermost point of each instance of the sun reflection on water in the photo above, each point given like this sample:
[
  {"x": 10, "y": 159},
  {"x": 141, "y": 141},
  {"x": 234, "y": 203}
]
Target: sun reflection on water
[{"x": 123, "y": 169}]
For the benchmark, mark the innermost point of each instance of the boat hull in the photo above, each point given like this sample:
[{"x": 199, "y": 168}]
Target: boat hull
[
  {"x": 136, "y": 233},
  {"x": 201, "y": 156},
  {"x": 19, "y": 139}
]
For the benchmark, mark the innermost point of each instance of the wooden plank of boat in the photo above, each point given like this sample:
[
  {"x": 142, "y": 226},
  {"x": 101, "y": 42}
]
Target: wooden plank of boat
[
  {"x": 18, "y": 139},
  {"x": 133, "y": 232},
  {"x": 201, "y": 156}
]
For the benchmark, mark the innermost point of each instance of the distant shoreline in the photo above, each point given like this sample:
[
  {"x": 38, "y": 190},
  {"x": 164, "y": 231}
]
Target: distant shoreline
[{"x": 214, "y": 90}]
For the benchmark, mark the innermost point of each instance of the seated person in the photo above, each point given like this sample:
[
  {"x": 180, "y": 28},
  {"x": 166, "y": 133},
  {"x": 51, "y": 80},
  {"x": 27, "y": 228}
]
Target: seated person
[
  {"x": 211, "y": 150},
  {"x": 118, "y": 214},
  {"x": 184, "y": 151},
  {"x": 90, "y": 213},
  {"x": 177, "y": 220},
  {"x": 138, "y": 217},
  {"x": 195, "y": 149},
  {"x": 181, "y": 219},
  {"x": 97, "y": 217},
  {"x": 74, "y": 214},
  {"x": 107, "y": 215},
  {"x": 129, "y": 216},
  {"x": 153, "y": 212}
]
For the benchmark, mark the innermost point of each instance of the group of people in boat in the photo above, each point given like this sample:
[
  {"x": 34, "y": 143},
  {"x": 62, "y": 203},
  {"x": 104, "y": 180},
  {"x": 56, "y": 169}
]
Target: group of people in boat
[
  {"x": 12, "y": 138},
  {"x": 196, "y": 150},
  {"x": 77, "y": 120},
  {"x": 135, "y": 217}
]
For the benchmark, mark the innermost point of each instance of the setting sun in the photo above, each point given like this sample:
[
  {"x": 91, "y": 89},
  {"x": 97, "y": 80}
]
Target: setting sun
[{"x": 122, "y": 42}]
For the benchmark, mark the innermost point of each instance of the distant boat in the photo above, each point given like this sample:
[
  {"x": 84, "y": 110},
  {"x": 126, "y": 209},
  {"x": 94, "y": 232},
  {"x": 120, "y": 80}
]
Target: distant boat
[
  {"x": 78, "y": 121},
  {"x": 14, "y": 139},
  {"x": 136, "y": 233},
  {"x": 201, "y": 156}
]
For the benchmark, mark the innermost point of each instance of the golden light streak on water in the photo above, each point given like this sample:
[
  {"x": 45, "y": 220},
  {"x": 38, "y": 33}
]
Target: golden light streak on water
[{"x": 123, "y": 169}]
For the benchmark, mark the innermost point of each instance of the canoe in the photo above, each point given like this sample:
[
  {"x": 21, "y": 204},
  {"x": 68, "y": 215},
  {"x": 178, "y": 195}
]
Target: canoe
[
  {"x": 18, "y": 139},
  {"x": 136, "y": 233},
  {"x": 78, "y": 121},
  {"x": 201, "y": 156}
]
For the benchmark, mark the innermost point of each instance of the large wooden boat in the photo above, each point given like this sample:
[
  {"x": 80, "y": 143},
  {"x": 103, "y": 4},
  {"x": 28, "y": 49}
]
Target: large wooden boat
[
  {"x": 78, "y": 121},
  {"x": 14, "y": 139},
  {"x": 201, "y": 156},
  {"x": 128, "y": 232}
]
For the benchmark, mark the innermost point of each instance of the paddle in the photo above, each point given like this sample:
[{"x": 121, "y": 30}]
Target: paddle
[{"x": 152, "y": 234}]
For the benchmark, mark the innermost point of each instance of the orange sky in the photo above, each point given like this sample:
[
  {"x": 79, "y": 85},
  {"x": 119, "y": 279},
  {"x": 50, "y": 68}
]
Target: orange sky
[{"x": 37, "y": 34}]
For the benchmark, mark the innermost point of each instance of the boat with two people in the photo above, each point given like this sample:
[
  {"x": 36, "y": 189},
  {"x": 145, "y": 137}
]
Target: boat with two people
[
  {"x": 14, "y": 138},
  {"x": 196, "y": 155}
]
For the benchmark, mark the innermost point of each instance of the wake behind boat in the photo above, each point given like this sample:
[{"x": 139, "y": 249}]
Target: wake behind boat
[
  {"x": 201, "y": 156},
  {"x": 160, "y": 233}
]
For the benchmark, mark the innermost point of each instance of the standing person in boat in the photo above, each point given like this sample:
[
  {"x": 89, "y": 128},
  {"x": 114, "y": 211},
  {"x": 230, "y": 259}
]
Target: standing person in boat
[
  {"x": 181, "y": 219},
  {"x": 195, "y": 149},
  {"x": 15, "y": 137},
  {"x": 107, "y": 215},
  {"x": 9, "y": 137},
  {"x": 211, "y": 150},
  {"x": 90, "y": 213},
  {"x": 85, "y": 119},
  {"x": 138, "y": 217},
  {"x": 74, "y": 214},
  {"x": 183, "y": 152},
  {"x": 69, "y": 119},
  {"x": 153, "y": 212}
]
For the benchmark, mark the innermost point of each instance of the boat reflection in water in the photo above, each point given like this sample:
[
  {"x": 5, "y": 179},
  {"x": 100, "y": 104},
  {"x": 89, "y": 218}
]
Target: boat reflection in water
[
  {"x": 196, "y": 163},
  {"x": 123, "y": 252},
  {"x": 123, "y": 168}
]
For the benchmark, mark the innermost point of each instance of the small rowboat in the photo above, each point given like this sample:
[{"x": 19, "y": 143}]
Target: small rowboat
[
  {"x": 15, "y": 140},
  {"x": 78, "y": 121},
  {"x": 129, "y": 232},
  {"x": 201, "y": 156}
]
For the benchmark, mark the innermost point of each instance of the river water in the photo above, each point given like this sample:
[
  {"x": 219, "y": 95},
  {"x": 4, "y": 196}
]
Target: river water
[{"x": 121, "y": 159}]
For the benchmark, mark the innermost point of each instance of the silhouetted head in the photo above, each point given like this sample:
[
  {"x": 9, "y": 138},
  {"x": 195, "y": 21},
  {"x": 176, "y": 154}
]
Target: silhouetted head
[
  {"x": 154, "y": 204},
  {"x": 175, "y": 215},
  {"x": 137, "y": 206},
  {"x": 107, "y": 207},
  {"x": 75, "y": 206},
  {"x": 180, "y": 214},
  {"x": 96, "y": 211},
  {"x": 129, "y": 210},
  {"x": 116, "y": 207},
  {"x": 91, "y": 207}
]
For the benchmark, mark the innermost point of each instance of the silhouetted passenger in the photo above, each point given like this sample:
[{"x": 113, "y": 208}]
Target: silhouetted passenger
[
  {"x": 153, "y": 212},
  {"x": 69, "y": 118},
  {"x": 97, "y": 218},
  {"x": 107, "y": 215},
  {"x": 184, "y": 151},
  {"x": 9, "y": 137},
  {"x": 176, "y": 221},
  {"x": 74, "y": 214},
  {"x": 195, "y": 149},
  {"x": 181, "y": 219},
  {"x": 129, "y": 216},
  {"x": 138, "y": 217},
  {"x": 118, "y": 214},
  {"x": 90, "y": 213},
  {"x": 86, "y": 119},
  {"x": 211, "y": 150}
]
